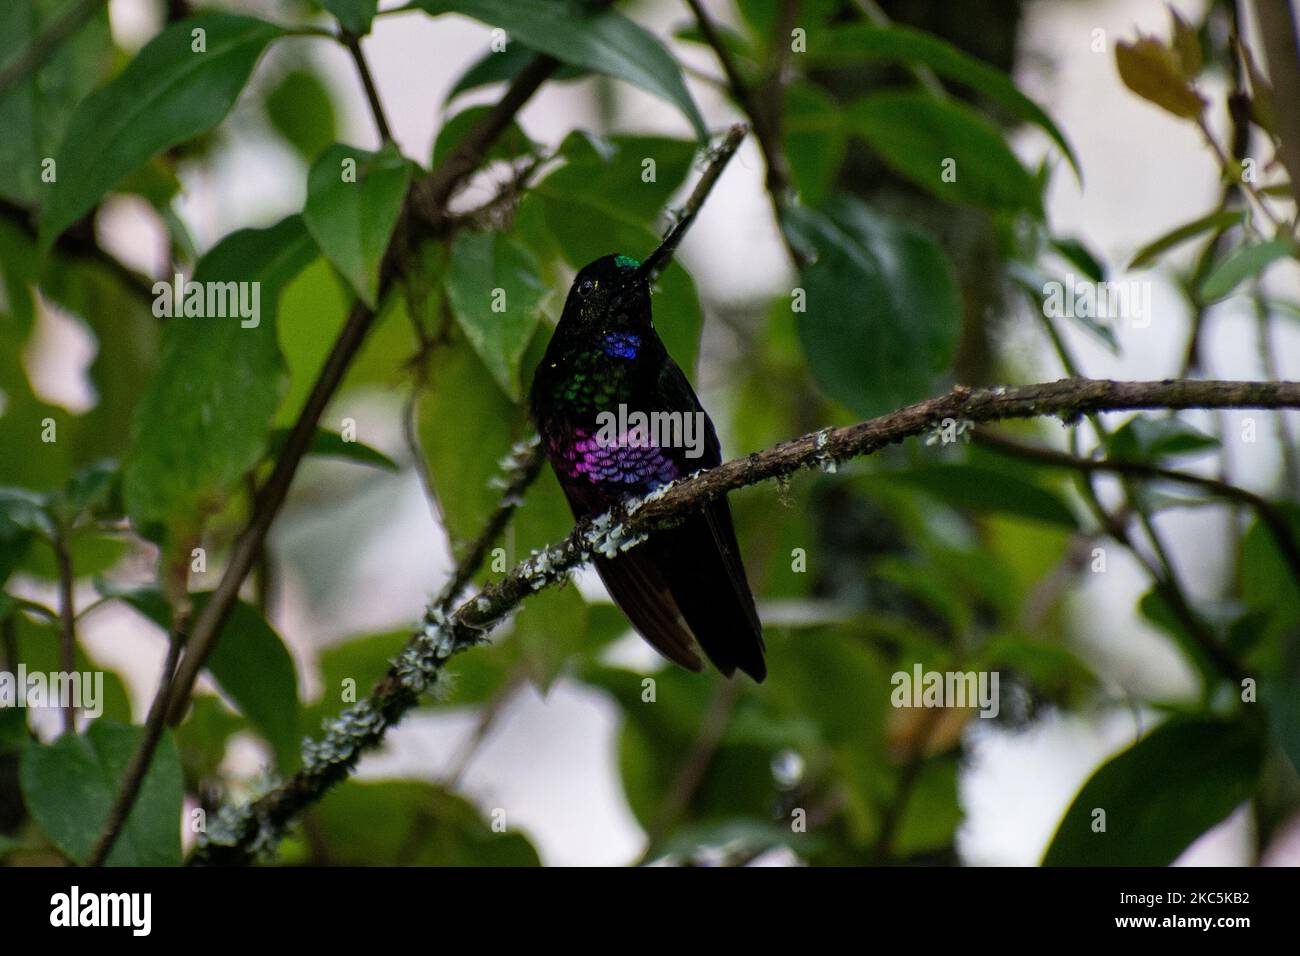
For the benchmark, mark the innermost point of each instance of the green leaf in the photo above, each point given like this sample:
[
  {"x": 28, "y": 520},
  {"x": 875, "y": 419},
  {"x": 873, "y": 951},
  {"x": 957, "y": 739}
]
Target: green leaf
[
  {"x": 814, "y": 140},
  {"x": 987, "y": 490},
  {"x": 1281, "y": 697},
  {"x": 353, "y": 15},
  {"x": 847, "y": 44},
  {"x": 168, "y": 94},
  {"x": 69, "y": 785},
  {"x": 363, "y": 661},
  {"x": 300, "y": 109},
  {"x": 933, "y": 811},
  {"x": 330, "y": 444},
  {"x": 512, "y": 142},
  {"x": 1160, "y": 794},
  {"x": 657, "y": 733},
  {"x": 38, "y": 651},
  {"x": 494, "y": 67},
  {"x": 495, "y": 293},
  {"x": 203, "y": 737},
  {"x": 1216, "y": 221},
  {"x": 20, "y": 269},
  {"x": 1077, "y": 253},
  {"x": 1151, "y": 439},
  {"x": 353, "y": 201},
  {"x": 1187, "y": 45},
  {"x": 883, "y": 313},
  {"x": 15, "y": 539},
  {"x": 203, "y": 420},
  {"x": 930, "y": 141},
  {"x": 1152, "y": 71},
  {"x": 250, "y": 664},
  {"x": 612, "y": 175},
  {"x": 466, "y": 424},
  {"x": 127, "y": 337},
  {"x": 606, "y": 42},
  {"x": 550, "y": 630},
  {"x": 1155, "y": 608},
  {"x": 1267, "y": 582},
  {"x": 35, "y": 112},
  {"x": 405, "y": 823},
  {"x": 91, "y": 554},
  {"x": 1243, "y": 263}
]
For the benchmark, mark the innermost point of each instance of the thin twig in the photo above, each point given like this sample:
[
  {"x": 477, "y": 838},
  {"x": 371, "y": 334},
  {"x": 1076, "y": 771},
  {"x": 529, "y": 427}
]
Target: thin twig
[
  {"x": 896, "y": 809},
  {"x": 254, "y": 828},
  {"x": 1162, "y": 574},
  {"x": 80, "y": 244},
  {"x": 353, "y": 43},
  {"x": 778, "y": 178},
  {"x": 488, "y": 715},
  {"x": 708, "y": 738},
  {"x": 67, "y": 621},
  {"x": 1270, "y": 515},
  {"x": 431, "y": 195},
  {"x": 1234, "y": 174},
  {"x": 143, "y": 755}
]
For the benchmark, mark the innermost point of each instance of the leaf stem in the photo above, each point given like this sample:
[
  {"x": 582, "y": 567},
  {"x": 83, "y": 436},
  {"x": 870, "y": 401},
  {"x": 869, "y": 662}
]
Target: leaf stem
[{"x": 68, "y": 621}]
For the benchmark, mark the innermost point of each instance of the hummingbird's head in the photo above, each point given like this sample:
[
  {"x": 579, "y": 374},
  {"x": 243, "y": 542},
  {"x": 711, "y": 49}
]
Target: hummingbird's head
[{"x": 610, "y": 294}]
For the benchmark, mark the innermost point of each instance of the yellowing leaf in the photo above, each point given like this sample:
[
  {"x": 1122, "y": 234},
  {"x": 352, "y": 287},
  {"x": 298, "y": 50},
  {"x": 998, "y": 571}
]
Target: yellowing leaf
[{"x": 1154, "y": 72}]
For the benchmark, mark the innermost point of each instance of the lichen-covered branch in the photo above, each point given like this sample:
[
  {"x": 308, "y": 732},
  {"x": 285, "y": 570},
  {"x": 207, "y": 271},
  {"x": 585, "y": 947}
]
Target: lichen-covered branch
[{"x": 250, "y": 831}]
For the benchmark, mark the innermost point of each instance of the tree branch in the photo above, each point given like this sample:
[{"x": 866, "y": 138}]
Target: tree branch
[
  {"x": 80, "y": 244},
  {"x": 246, "y": 832},
  {"x": 1269, "y": 514}
]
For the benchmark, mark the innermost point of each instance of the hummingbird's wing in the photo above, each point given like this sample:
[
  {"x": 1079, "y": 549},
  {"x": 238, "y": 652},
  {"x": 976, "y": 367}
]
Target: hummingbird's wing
[
  {"x": 701, "y": 557},
  {"x": 686, "y": 585},
  {"x": 637, "y": 586}
]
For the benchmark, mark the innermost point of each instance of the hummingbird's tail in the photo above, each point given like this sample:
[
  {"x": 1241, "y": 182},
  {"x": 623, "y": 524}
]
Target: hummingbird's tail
[
  {"x": 686, "y": 588},
  {"x": 707, "y": 580}
]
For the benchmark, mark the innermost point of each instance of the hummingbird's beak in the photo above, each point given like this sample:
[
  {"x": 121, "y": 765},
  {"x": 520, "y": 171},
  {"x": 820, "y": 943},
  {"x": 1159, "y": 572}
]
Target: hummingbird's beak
[{"x": 658, "y": 260}]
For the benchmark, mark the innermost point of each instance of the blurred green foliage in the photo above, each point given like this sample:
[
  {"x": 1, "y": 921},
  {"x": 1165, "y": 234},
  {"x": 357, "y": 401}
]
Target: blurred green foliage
[{"x": 943, "y": 554}]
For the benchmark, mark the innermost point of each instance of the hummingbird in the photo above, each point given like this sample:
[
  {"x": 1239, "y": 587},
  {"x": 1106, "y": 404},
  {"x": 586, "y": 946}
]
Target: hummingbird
[{"x": 685, "y": 589}]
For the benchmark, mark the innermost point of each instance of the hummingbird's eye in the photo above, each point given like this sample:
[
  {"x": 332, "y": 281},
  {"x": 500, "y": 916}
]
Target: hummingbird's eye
[{"x": 586, "y": 287}]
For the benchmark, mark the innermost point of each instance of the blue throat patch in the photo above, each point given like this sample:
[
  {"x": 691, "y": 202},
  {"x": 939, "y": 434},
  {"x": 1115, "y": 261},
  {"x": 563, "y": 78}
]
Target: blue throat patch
[{"x": 622, "y": 344}]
